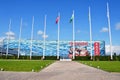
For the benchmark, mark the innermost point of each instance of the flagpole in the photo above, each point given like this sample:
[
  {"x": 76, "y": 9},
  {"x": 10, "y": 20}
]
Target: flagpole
[
  {"x": 2, "y": 47},
  {"x": 58, "y": 36},
  {"x": 19, "y": 38},
  {"x": 73, "y": 38},
  {"x": 90, "y": 33},
  {"x": 31, "y": 38},
  {"x": 44, "y": 36},
  {"x": 110, "y": 37},
  {"x": 8, "y": 38}
]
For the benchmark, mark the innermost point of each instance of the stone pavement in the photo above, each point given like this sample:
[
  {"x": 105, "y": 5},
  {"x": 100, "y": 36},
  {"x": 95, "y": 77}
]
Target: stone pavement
[{"x": 62, "y": 70}]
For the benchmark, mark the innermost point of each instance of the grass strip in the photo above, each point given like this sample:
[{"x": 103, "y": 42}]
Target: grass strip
[
  {"x": 24, "y": 65},
  {"x": 110, "y": 66}
]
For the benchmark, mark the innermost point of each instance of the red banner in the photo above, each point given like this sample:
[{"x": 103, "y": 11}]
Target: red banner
[{"x": 97, "y": 48}]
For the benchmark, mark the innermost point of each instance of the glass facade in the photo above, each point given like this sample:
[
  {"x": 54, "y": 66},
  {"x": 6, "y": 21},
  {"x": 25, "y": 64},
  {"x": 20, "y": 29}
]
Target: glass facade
[{"x": 82, "y": 48}]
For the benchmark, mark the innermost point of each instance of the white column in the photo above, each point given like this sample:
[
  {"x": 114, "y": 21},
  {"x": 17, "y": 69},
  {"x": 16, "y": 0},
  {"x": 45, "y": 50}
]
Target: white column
[
  {"x": 110, "y": 37},
  {"x": 58, "y": 46},
  {"x": 73, "y": 36},
  {"x": 8, "y": 38},
  {"x": 90, "y": 32},
  {"x": 44, "y": 36},
  {"x": 19, "y": 38},
  {"x": 31, "y": 38}
]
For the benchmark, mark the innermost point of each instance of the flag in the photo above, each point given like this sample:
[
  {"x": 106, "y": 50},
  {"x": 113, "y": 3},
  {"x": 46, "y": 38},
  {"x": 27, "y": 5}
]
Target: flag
[
  {"x": 57, "y": 19},
  {"x": 72, "y": 17}
]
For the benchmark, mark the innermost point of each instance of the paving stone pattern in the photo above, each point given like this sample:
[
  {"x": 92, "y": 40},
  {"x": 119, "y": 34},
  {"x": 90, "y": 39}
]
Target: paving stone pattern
[{"x": 62, "y": 70}]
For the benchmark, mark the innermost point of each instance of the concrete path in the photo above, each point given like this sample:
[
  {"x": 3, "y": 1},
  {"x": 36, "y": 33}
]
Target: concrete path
[{"x": 62, "y": 70}]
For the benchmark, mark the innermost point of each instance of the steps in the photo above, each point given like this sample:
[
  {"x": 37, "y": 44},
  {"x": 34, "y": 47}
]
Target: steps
[{"x": 65, "y": 59}]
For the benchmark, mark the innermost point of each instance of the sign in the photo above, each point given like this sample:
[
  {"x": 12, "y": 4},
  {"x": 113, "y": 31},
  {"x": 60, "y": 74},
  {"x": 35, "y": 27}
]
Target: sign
[{"x": 97, "y": 49}]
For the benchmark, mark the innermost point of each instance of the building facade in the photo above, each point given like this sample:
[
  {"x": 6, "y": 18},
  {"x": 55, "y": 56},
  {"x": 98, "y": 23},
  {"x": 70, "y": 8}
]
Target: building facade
[{"x": 82, "y": 48}]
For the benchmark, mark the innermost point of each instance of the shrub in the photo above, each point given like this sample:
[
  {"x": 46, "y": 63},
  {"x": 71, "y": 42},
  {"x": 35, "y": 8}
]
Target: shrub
[
  {"x": 50, "y": 58},
  {"x": 83, "y": 58}
]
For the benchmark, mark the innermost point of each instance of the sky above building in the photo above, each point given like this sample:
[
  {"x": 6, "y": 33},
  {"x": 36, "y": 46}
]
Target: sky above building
[{"x": 26, "y": 9}]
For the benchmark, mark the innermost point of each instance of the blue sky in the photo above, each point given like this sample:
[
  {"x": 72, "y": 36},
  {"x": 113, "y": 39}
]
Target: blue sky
[{"x": 15, "y": 9}]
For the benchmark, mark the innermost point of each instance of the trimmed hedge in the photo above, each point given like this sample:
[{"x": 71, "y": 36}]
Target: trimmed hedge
[
  {"x": 24, "y": 57},
  {"x": 101, "y": 58},
  {"x": 82, "y": 58},
  {"x": 28, "y": 57},
  {"x": 50, "y": 58},
  {"x": 97, "y": 58}
]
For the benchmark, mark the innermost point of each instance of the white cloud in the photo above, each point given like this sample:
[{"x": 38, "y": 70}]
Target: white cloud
[
  {"x": 81, "y": 31},
  {"x": 1, "y": 39},
  {"x": 24, "y": 24},
  {"x": 10, "y": 33},
  {"x": 115, "y": 49},
  {"x": 78, "y": 31},
  {"x": 117, "y": 26},
  {"x": 10, "y": 37},
  {"x": 104, "y": 29},
  {"x": 40, "y": 32},
  {"x": 45, "y": 36}
]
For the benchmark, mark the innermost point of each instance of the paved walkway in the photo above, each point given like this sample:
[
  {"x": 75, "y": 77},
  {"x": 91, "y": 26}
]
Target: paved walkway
[{"x": 62, "y": 70}]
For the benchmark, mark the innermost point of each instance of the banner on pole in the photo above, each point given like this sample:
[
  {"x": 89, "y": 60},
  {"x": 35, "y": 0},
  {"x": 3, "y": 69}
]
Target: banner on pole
[{"x": 97, "y": 49}]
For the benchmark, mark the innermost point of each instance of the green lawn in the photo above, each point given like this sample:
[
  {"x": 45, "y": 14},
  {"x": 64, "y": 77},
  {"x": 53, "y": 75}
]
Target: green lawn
[
  {"x": 24, "y": 65},
  {"x": 110, "y": 66}
]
